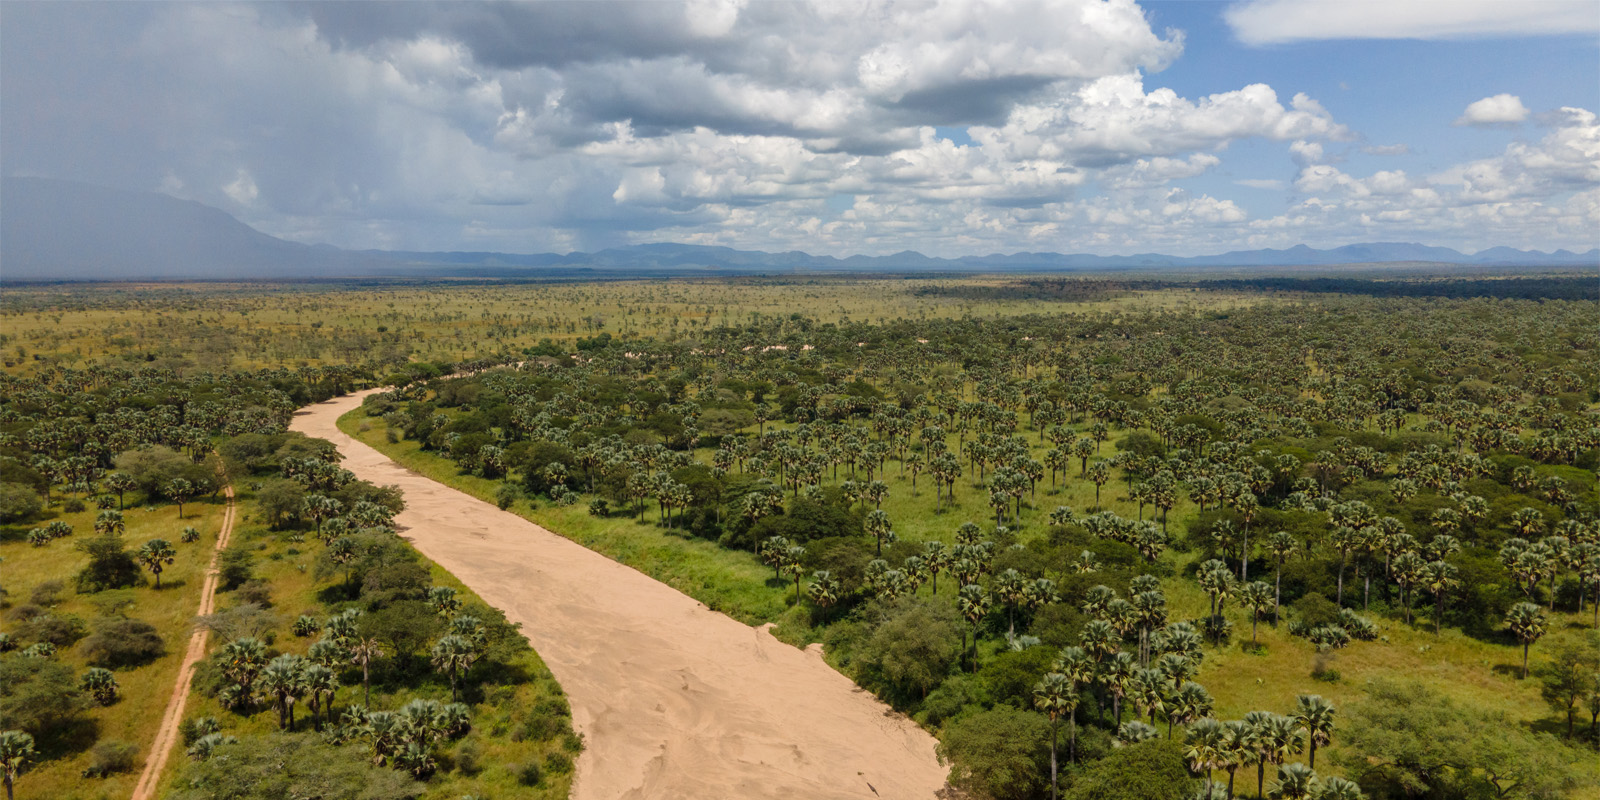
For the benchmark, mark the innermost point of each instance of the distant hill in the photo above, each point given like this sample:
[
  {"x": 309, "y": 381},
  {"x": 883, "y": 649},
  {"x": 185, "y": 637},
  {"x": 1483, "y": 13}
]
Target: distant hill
[
  {"x": 54, "y": 230},
  {"x": 59, "y": 230}
]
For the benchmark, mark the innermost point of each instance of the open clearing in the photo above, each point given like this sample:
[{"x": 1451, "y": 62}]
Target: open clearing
[{"x": 673, "y": 700}]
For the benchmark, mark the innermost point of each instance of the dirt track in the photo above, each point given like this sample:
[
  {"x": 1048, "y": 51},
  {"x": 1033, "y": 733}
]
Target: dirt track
[
  {"x": 673, "y": 700},
  {"x": 167, "y": 734}
]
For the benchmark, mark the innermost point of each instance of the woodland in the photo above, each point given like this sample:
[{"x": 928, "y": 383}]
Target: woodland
[{"x": 1253, "y": 538}]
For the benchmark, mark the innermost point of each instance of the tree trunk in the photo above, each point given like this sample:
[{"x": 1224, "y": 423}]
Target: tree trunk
[
  {"x": 1053, "y": 781},
  {"x": 1313, "y": 761}
]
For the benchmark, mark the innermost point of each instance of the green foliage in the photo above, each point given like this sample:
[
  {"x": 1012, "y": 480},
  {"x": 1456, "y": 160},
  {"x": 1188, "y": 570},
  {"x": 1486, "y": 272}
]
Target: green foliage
[
  {"x": 110, "y": 566},
  {"x": 1406, "y": 739},
  {"x": 1151, "y": 770},
  {"x": 111, "y": 756},
  {"x": 18, "y": 502},
  {"x": 910, "y": 652},
  {"x": 119, "y": 642},
  {"x": 1000, "y": 753},
  {"x": 39, "y": 696},
  {"x": 274, "y": 766}
]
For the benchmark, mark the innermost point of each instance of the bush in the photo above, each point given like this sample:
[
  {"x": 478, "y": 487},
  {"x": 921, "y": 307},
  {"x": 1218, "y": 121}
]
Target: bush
[
  {"x": 111, "y": 756},
  {"x": 558, "y": 763},
  {"x": 1002, "y": 752},
  {"x": 18, "y": 502},
  {"x": 47, "y": 593},
  {"x": 110, "y": 566},
  {"x": 531, "y": 774},
  {"x": 507, "y": 495},
  {"x": 123, "y": 643},
  {"x": 298, "y": 765},
  {"x": 73, "y": 505},
  {"x": 234, "y": 567},
  {"x": 38, "y": 695},
  {"x": 256, "y": 592},
  {"x": 1152, "y": 770},
  {"x": 61, "y": 630}
]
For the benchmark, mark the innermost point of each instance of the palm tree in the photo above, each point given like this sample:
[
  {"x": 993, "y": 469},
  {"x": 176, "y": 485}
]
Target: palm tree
[
  {"x": 119, "y": 482},
  {"x": 362, "y": 653},
  {"x": 1238, "y": 748},
  {"x": 179, "y": 490},
  {"x": 1346, "y": 540},
  {"x": 824, "y": 588},
  {"x": 1282, "y": 545},
  {"x": 320, "y": 682},
  {"x": 454, "y": 655},
  {"x": 1191, "y": 702},
  {"x": 793, "y": 556},
  {"x": 1255, "y": 743},
  {"x": 1208, "y": 744},
  {"x": 16, "y": 750},
  {"x": 1055, "y": 695},
  {"x": 1078, "y": 668},
  {"x": 1439, "y": 578},
  {"x": 1526, "y": 621},
  {"x": 1258, "y": 597},
  {"x": 283, "y": 680},
  {"x": 1295, "y": 782},
  {"x": 1316, "y": 716},
  {"x": 1011, "y": 589},
  {"x": 101, "y": 684},
  {"x": 1280, "y": 738},
  {"x": 1117, "y": 678},
  {"x": 155, "y": 555},
  {"x": 1338, "y": 789},
  {"x": 109, "y": 521},
  {"x": 241, "y": 661},
  {"x": 973, "y": 603},
  {"x": 878, "y": 526}
]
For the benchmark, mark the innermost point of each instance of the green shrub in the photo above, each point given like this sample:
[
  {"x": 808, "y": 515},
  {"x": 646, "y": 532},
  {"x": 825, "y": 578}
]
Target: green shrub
[
  {"x": 123, "y": 643},
  {"x": 111, "y": 756}
]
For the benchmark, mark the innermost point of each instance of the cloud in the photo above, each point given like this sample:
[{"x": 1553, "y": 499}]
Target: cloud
[
  {"x": 1387, "y": 150},
  {"x": 562, "y": 126},
  {"x": 1265, "y": 22},
  {"x": 1500, "y": 109}
]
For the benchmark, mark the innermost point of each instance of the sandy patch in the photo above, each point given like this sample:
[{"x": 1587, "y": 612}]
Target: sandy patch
[{"x": 673, "y": 700}]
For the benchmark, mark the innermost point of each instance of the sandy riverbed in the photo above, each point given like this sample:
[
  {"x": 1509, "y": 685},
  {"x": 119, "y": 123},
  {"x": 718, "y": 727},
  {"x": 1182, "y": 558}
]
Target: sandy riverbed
[{"x": 674, "y": 700}]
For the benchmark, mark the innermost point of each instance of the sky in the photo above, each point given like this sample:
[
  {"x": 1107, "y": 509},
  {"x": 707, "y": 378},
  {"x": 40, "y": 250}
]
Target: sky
[{"x": 959, "y": 127}]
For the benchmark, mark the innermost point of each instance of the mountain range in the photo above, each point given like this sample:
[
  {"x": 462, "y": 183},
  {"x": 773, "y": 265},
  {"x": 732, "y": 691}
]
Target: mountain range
[{"x": 58, "y": 230}]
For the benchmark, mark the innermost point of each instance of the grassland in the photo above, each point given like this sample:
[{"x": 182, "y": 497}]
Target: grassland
[
  {"x": 498, "y": 751},
  {"x": 137, "y": 715},
  {"x": 217, "y": 325}
]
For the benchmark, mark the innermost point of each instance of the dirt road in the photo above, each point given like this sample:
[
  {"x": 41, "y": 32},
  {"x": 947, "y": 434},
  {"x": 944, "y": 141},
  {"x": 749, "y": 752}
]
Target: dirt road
[
  {"x": 673, "y": 700},
  {"x": 167, "y": 735}
]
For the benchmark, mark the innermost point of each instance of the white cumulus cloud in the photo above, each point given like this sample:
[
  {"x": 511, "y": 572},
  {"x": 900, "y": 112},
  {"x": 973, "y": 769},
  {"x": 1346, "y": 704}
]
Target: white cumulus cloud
[
  {"x": 1263, "y": 22},
  {"x": 1500, "y": 109}
]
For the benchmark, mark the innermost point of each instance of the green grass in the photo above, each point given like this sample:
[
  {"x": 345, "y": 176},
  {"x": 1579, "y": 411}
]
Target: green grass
[
  {"x": 289, "y": 568},
  {"x": 145, "y": 689}
]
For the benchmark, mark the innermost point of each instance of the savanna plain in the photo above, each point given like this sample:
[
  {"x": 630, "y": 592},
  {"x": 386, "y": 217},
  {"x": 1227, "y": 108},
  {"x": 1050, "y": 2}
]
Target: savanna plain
[{"x": 1300, "y": 536}]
